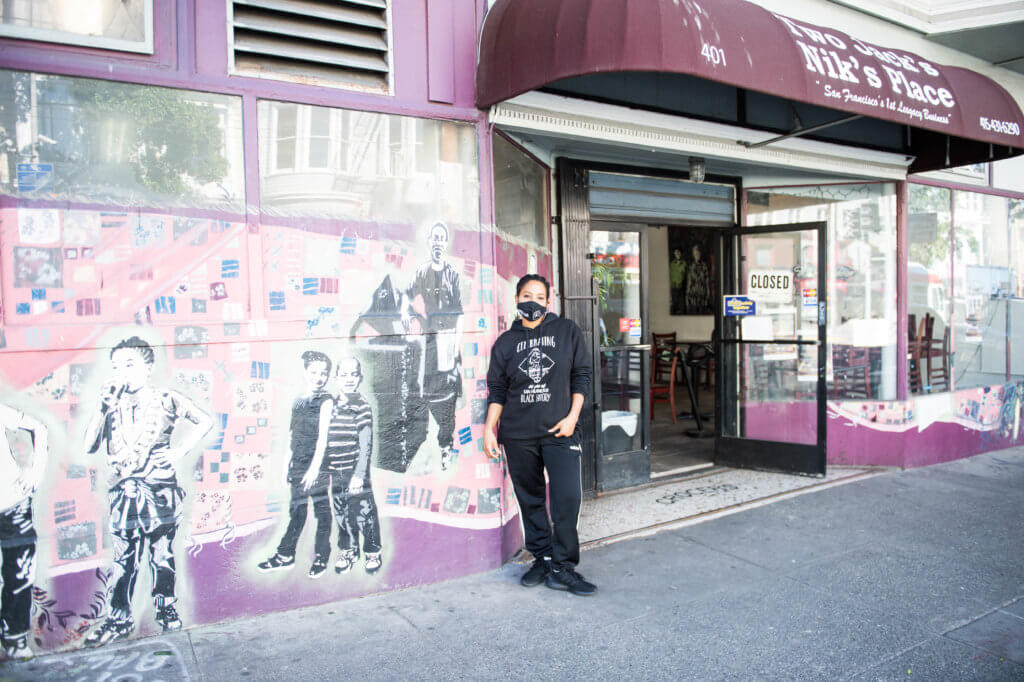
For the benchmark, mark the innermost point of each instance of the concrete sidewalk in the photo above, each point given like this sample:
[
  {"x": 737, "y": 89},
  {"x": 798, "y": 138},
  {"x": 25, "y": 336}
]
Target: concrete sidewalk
[{"x": 909, "y": 575}]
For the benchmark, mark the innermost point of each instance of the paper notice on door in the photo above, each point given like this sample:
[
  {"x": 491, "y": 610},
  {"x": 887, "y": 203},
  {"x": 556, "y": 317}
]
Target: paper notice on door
[{"x": 756, "y": 328}]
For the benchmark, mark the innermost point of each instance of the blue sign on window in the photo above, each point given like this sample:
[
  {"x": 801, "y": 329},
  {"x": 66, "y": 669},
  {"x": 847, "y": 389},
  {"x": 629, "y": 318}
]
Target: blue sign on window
[
  {"x": 740, "y": 306},
  {"x": 33, "y": 177}
]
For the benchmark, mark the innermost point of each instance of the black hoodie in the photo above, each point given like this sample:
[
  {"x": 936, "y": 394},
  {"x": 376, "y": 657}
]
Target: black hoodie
[{"x": 534, "y": 373}]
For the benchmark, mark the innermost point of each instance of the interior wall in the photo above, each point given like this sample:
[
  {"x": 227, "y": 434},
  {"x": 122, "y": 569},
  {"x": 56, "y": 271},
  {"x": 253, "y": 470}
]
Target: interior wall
[{"x": 686, "y": 327}]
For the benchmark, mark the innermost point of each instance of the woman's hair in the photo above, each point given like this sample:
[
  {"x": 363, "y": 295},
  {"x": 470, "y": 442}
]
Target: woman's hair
[
  {"x": 526, "y": 279},
  {"x": 311, "y": 356},
  {"x": 137, "y": 344}
]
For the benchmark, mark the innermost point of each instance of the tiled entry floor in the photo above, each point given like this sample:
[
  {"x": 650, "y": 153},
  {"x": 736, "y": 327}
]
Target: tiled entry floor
[{"x": 615, "y": 516}]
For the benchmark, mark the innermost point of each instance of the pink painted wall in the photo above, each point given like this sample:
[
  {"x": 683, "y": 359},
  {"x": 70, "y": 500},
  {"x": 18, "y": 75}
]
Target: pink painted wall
[
  {"x": 926, "y": 430},
  {"x": 184, "y": 285}
]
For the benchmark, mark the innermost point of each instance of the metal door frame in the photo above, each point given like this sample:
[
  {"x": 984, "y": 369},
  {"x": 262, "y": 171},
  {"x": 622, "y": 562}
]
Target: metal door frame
[
  {"x": 605, "y": 225},
  {"x": 750, "y": 453}
]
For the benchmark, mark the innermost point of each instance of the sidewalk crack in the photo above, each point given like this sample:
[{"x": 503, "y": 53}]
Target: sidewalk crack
[{"x": 195, "y": 658}]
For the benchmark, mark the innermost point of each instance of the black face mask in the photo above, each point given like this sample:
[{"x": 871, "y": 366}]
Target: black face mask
[{"x": 531, "y": 310}]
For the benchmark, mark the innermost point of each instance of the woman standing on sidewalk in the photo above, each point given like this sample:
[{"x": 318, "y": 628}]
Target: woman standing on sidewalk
[{"x": 539, "y": 374}]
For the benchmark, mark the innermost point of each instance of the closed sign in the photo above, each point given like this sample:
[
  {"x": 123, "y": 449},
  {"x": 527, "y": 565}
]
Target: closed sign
[{"x": 770, "y": 284}]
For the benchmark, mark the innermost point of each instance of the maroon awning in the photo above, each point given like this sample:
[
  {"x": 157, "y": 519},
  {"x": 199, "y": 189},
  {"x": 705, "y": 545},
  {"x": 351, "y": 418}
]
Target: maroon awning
[{"x": 527, "y": 44}]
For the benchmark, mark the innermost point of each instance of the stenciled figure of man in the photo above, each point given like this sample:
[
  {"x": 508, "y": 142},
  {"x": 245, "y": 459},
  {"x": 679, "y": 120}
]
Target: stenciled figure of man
[
  {"x": 349, "y": 448},
  {"x": 17, "y": 532},
  {"x": 437, "y": 283},
  {"x": 136, "y": 421}
]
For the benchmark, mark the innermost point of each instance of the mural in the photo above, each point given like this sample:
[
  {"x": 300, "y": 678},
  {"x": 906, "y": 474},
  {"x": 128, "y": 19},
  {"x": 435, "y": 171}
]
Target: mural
[
  {"x": 930, "y": 428},
  {"x": 436, "y": 288},
  {"x": 17, "y": 530},
  {"x": 331, "y": 442},
  {"x": 306, "y": 479},
  {"x": 203, "y": 400},
  {"x": 134, "y": 424}
]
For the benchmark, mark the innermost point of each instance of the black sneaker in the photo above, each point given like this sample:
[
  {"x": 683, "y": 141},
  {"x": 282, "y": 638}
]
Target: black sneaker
[
  {"x": 110, "y": 630},
  {"x": 276, "y": 563},
  {"x": 318, "y": 568},
  {"x": 568, "y": 579},
  {"x": 167, "y": 618},
  {"x": 537, "y": 573}
]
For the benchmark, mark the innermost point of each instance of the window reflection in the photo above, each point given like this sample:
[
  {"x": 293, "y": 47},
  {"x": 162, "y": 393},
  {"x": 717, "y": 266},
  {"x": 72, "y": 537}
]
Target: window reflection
[
  {"x": 112, "y": 24},
  {"x": 983, "y": 300},
  {"x": 861, "y": 280},
  {"x": 520, "y": 194},
  {"x": 1015, "y": 342},
  {"x": 95, "y": 141},
  {"x": 360, "y": 165},
  {"x": 929, "y": 308}
]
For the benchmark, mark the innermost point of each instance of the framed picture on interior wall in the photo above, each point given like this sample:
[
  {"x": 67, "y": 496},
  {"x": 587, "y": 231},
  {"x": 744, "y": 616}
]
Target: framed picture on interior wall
[{"x": 691, "y": 270}]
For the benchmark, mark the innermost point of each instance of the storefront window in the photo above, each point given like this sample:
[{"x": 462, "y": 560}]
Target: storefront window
[
  {"x": 520, "y": 194},
  {"x": 92, "y": 141},
  {"x": 861, "y": 261},
  {"x": 380, "y": 171},
  {"x": 929, "y": 308},
  {"x": 983, "y": 284},
  {"x": 1016, "y": 302}
]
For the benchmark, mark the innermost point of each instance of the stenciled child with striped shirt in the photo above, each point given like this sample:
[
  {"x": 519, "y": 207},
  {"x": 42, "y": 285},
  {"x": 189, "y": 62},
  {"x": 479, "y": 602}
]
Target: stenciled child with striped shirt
[{"x": 347, "y": 460}]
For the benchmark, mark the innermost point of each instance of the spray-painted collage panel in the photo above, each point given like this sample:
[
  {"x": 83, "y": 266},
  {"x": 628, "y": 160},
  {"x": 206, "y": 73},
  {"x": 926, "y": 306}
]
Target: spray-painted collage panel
[
  {"x": 206, "y": 417},
  {"x": 178, "y": 448}
]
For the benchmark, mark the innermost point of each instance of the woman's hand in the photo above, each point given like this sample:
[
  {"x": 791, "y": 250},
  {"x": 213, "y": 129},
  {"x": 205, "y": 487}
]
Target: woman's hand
[
  {"x": 564, "y": 428},
  {"x": 491, "y": 444}
]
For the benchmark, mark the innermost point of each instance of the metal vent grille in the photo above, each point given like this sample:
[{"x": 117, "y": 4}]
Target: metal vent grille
[{"x": 345, "y": 41}]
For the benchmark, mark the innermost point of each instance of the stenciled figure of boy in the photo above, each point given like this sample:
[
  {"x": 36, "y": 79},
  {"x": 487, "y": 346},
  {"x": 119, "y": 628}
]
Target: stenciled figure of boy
[
  {"x": 437, "y": 282},
  {"x": 136, "y": 422},
  {"x": 17, "y": 532},
  {"x": 311, "y": 416},
  {"x": 349, "y": 448}
]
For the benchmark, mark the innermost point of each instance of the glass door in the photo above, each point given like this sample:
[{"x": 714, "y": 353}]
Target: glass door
[
  {"x": 622, "y": 378},
  {"x": 771, "y": 350}
]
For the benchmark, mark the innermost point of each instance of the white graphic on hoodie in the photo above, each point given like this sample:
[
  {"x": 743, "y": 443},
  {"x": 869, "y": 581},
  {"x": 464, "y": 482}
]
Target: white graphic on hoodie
[{"x": 536, "y": 365}]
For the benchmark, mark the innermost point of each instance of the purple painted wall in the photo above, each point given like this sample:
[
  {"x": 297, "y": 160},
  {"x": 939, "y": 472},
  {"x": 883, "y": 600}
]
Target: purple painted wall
[
  {"x": 926, "y": 430},
  {"x": 230, "y": 297}
]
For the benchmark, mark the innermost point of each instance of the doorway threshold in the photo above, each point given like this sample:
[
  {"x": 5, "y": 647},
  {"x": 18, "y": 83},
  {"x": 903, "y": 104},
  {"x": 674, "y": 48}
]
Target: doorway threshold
[
  {"x": 672, "y": 473},
  {"x": 682, "y": 502}
]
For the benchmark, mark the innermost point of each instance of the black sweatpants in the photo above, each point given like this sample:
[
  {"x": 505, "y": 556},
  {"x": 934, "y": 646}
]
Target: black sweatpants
[{"x": 527, "y": 460}]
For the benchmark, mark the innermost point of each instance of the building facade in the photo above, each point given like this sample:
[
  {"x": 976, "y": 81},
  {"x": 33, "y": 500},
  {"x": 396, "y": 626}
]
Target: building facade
[{"x": 253, "y": 258}]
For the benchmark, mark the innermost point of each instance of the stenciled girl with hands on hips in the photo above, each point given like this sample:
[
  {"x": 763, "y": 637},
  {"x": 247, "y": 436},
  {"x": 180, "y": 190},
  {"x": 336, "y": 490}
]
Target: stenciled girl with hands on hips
[{"x": 540, "y": 373}]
